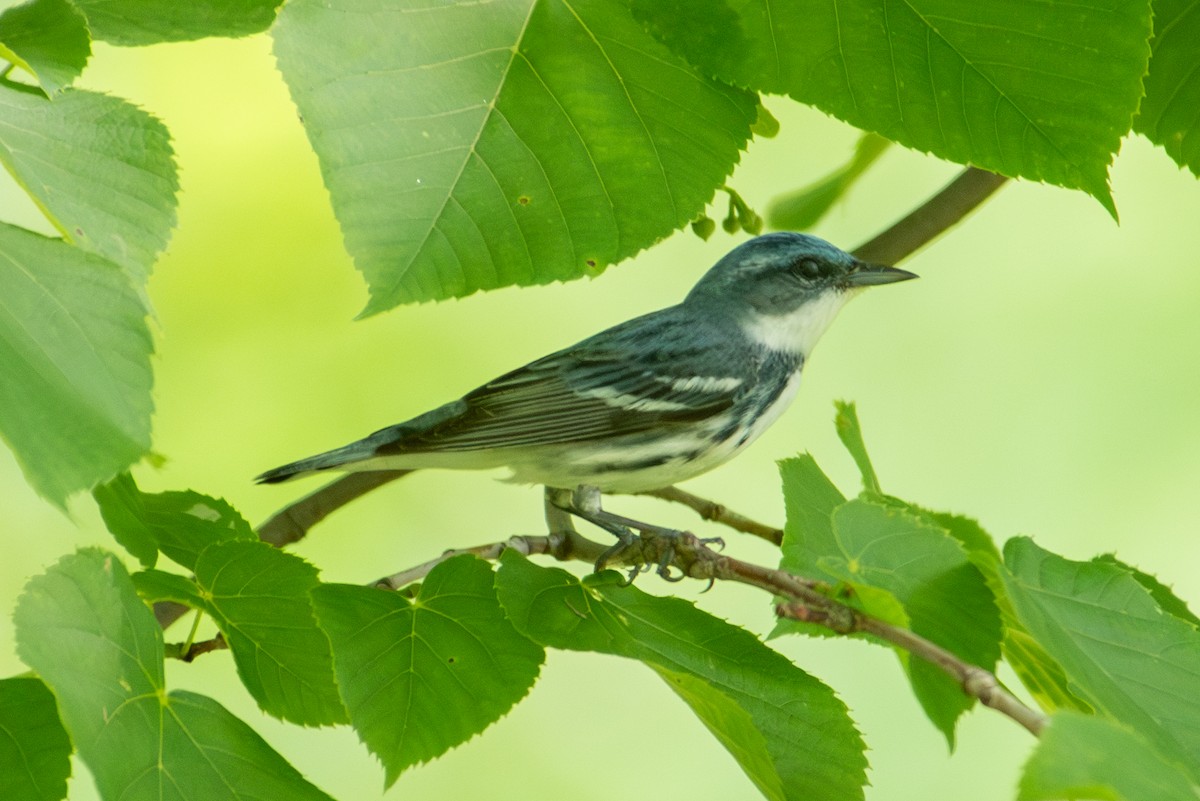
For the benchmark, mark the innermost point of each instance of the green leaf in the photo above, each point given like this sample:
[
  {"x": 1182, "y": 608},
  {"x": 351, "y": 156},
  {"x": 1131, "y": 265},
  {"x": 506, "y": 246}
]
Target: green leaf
[
  {"x": 81, "y": 626},
  {"x": 259, "y": 597},
  {"x": 1124, "y": 655},
  {"x": 787, "y": 730},
  {"x": 34, "y": 748},
  {"x": 478, "y": 145},
  {"x": 801, "y": 209},
  {"x": 901, "y": 568},
  {"x": 47, "y": 38},
  {"x": 181, "y": 524},
  {"x": 100, "y": 168},
  {"x": 1170, "y": 112},
  {"x": 811, "y": 499},
  {"x": 1163, "y": 595},
  {"x": 1037, "y": 89},
  {"x": 124, "y": 514},
  {"x": 143, "y": 22},
  {"x": 420, "y": 677},
  {"x": 75, "y": 356},
  {"x": 1039, "y": 673},
  {"x": 157, "y": 585},
  {"x": 1080, "y": 756},
  {"x": 850, "y": 433}
]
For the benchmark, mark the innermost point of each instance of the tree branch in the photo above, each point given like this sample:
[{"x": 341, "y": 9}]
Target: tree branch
[
  {"x": 932, "y": 218},
  {"x": 717, "y": 513},
  {"x": 808, "y": 601},
  {"x": 293, "y": 521}
]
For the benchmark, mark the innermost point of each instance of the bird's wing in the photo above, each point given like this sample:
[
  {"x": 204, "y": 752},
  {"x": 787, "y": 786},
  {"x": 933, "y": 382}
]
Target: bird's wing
[{"x": 610, "y": 385}]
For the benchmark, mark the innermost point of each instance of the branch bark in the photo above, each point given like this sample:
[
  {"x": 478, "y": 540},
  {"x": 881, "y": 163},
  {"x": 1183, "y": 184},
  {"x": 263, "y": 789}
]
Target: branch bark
[
  {"x": 806, "y": 600},
  {"x": 932, "y": 218}
]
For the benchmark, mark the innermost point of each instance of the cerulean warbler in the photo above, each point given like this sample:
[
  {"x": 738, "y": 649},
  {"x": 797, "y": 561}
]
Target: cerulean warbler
[{"x": 647, "y": 403}]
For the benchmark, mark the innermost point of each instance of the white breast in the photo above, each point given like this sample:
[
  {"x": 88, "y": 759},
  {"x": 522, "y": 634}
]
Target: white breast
[{"x": 798, "y": 330}]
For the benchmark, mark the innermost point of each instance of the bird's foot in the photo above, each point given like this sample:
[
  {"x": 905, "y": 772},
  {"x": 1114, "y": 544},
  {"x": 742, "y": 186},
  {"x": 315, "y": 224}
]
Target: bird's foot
[{"x": 654, "y": 546}]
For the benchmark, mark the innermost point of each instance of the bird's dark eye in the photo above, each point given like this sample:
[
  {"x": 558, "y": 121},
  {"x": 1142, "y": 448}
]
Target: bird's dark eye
[{"x": 806, "y": 268}]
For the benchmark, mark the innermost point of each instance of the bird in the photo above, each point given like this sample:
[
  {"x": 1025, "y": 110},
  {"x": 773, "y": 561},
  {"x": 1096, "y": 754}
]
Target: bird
[{"x": 647, "y": 403}]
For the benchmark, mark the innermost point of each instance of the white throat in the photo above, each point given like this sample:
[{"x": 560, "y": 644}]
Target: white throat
[{"x": 797, "y": 331}]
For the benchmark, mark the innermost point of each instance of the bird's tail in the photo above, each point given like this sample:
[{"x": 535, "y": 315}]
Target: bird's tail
[{"x": 341, "y": 457}]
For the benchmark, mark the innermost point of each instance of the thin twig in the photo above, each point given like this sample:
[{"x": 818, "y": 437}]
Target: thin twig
[
  {"x": 293, "y": 521},
  {"x": 490, "y": 551},
  {"x": 808, "y": 600},
  {"x": 717, "y": 513}
]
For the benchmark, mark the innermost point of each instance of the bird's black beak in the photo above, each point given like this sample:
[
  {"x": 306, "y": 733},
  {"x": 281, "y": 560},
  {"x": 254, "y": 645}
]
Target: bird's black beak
[{"x": 867, "y": 274}]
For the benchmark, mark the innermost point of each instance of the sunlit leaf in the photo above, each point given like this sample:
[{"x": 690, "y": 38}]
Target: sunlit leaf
[
  {"x": 34, "y": 750},
  {"x": 47, "y": 38},
  {"x": 469, "y": 146},
  {"x": 850, "y": 433},
  {"x": 1081, "y": 756},
  {"x": 1037, "y": 88},
  {"x": 143, "y": 22},
  {"x": 1163, "y": 595},
  {"x": 787, "y": 730},
  {"x": 74, "y": 364},
  {"x": 1124, "y": 655},
  {"x": 419, "y": 677},
  {"x": 100, "y": 168},
  {"x": 82, "y": 627},
  {"x": 899, "y": 567},
  {"x": 259, "y": 597},
  {"x": 1170, "y": 113},
  {"x": 180, "y": 524}
]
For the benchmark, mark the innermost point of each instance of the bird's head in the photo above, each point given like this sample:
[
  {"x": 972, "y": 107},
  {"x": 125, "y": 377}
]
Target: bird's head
[{"x": 785, "y": 288}]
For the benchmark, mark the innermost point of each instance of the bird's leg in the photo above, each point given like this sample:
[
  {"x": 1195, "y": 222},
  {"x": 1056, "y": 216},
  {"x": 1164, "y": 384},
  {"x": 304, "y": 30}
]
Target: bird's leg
[{"x": 585, "y": 504}]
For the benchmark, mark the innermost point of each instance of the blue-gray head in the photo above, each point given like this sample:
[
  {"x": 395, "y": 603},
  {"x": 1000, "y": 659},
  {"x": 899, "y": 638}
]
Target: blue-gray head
[
  {"x": 785, "y": 288},
  {"x": 775, "y": 273}
]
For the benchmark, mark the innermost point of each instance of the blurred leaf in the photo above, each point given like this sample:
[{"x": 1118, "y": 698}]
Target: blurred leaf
[
  {"x": 34, "y": 748},
  {"x": 101, "y": 169},
  {"x": 765, "y": 124},
  {"x": 75, "y": 364},
  {"x": 787, "y": 730},
  {"x": 1080, "y": 756},
  {"x": 1124, "y": 655},
  {"x": 803, "y": 208},
  {"x": 47, "y": 38},
  {"x": 81, "y": 626},
  {"x": 259, "y": 597},
  {"x": 479, "y": 145},
  {"x": 125, "y": 516},
  {"x": 901, "y": 568},
  {"x": 182, "y": 524},
  {"x": 1166, "y": 599},
  {"x": 143, "y": 22},
  {"x": 158, "y": 585},
  {"x": 1169, "y": 116},
  {"x": 850, "y": 433},
  {"x": 1040, "y": 89},
  {"x": 420, "y": 677}
]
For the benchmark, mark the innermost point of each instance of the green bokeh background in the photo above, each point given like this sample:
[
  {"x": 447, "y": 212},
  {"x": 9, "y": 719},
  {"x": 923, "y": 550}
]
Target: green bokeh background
[{"x": 1041, "y": 376}]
